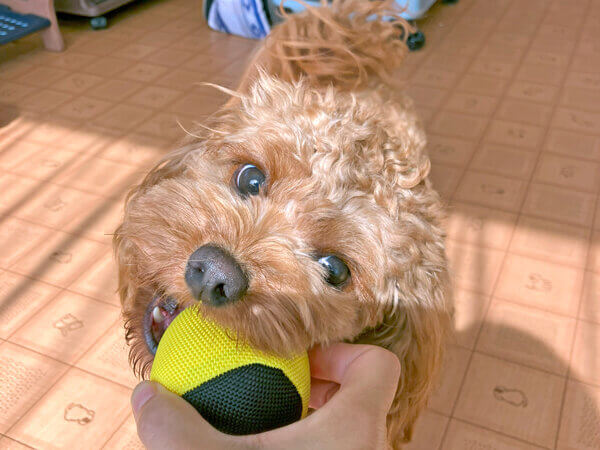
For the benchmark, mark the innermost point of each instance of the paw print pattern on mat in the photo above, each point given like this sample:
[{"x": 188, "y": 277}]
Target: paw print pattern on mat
[
  {"x": 517, "y": 133},
  {"x": 577, "y": 120},
  {"x": 537, "y": 282},
  {"x": 491, "y": 189},
  {"x": 68, "y": 323},
  {"x": 475, "y": 223},
  {"x": 61, "y": 257},
  {"x": 50, "y": 163},
  {"x": 55, "y": 204},
  {"x": 567, "y": 172},
  {"x": 514, "y": 397},
  {"x": 514, "y": 134},
  {"x": 74, "y": 412}
]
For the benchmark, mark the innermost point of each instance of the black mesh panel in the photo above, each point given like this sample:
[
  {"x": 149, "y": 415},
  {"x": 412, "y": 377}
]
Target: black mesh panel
[{"x": 247, "y": 400}]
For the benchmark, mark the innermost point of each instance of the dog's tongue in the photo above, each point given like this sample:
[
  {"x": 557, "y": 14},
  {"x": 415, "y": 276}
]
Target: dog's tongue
[{"x": 161, "y": 319}]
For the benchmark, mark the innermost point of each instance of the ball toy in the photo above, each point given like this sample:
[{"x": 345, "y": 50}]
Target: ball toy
[{"x": 237, "y": 389}]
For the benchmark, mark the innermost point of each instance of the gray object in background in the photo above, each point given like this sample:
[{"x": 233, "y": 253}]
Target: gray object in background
[{"x": 88, "y": 8}]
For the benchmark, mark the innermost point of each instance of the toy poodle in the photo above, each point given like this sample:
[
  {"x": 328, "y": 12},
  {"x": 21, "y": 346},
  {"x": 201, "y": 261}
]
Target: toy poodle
[{"x": 301, "y": 213}]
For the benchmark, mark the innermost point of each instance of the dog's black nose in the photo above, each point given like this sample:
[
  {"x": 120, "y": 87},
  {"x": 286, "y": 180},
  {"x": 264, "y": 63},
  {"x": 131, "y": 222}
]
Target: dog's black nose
[{"x": 214, "y": 276}]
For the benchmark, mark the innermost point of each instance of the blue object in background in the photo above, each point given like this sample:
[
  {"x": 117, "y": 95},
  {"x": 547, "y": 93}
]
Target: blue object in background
[
  {"x": 413, "y": 9},
  {"x": 247, "y": 18},
  {"x": 254, "y": 18}
]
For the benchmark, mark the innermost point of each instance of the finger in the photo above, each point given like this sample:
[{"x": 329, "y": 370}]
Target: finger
[
  {"x": 165, "y": 420},
  {"x": 332, "y": 363},
  {"x": 321, "y": 391},
  {"x": 367, "y": 374}
]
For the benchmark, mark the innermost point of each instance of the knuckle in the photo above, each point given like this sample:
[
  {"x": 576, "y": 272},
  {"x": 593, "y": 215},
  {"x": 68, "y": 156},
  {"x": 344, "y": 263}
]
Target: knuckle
[{"x": 387, "y": 361}]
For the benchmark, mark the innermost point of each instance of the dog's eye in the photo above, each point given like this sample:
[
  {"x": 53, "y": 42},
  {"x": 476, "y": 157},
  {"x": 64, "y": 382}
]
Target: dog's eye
[
  {"x": 248, "y": 180},
  {"x": 337, "y": 271}
]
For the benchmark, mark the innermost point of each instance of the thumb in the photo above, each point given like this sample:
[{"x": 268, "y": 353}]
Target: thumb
[{"x": 165, "y": 420}]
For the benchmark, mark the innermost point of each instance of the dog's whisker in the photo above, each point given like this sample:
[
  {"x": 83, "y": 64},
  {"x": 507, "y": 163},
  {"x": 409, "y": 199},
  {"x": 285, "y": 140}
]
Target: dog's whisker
[
  {"x": 186, "y": 131},
  {"x": 223, "y": 89},
  {"x": 201, "y": 125}
]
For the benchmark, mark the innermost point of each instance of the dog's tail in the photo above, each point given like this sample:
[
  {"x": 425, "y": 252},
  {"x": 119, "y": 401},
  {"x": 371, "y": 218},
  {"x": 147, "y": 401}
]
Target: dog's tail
[{"x": 344, "y": 42}]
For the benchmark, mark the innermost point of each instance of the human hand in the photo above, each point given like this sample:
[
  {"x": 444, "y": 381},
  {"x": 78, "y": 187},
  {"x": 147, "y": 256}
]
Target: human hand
[{"x": 352, "y": 389}]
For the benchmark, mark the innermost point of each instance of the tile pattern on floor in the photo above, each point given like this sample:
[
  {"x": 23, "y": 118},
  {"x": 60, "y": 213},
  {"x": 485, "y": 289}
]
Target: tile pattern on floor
[{"x": 510, "y": 93}]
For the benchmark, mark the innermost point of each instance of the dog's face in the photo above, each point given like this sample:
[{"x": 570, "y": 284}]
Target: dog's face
[{"x": 285, "y": 219}]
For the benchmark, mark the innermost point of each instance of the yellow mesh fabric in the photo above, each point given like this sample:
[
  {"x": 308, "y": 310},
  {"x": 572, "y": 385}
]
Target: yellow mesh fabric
[{"x": 194, "y": 350}]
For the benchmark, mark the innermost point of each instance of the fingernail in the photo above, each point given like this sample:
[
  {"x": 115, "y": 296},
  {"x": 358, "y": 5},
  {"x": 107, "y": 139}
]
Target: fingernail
[{"x": 141, "y": 394}]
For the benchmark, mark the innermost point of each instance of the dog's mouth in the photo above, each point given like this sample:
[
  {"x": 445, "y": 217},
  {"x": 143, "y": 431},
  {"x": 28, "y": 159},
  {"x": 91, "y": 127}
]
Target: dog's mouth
[{"x": 160, "y": 313}]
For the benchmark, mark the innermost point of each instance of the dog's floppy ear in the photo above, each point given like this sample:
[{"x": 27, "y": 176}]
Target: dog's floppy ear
[
  {"x": 170, "y": 166},
  {"x": 124, "y": 248},
  {"x": 415, "y": 321},
  {"x": 420, "y": 324}
]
